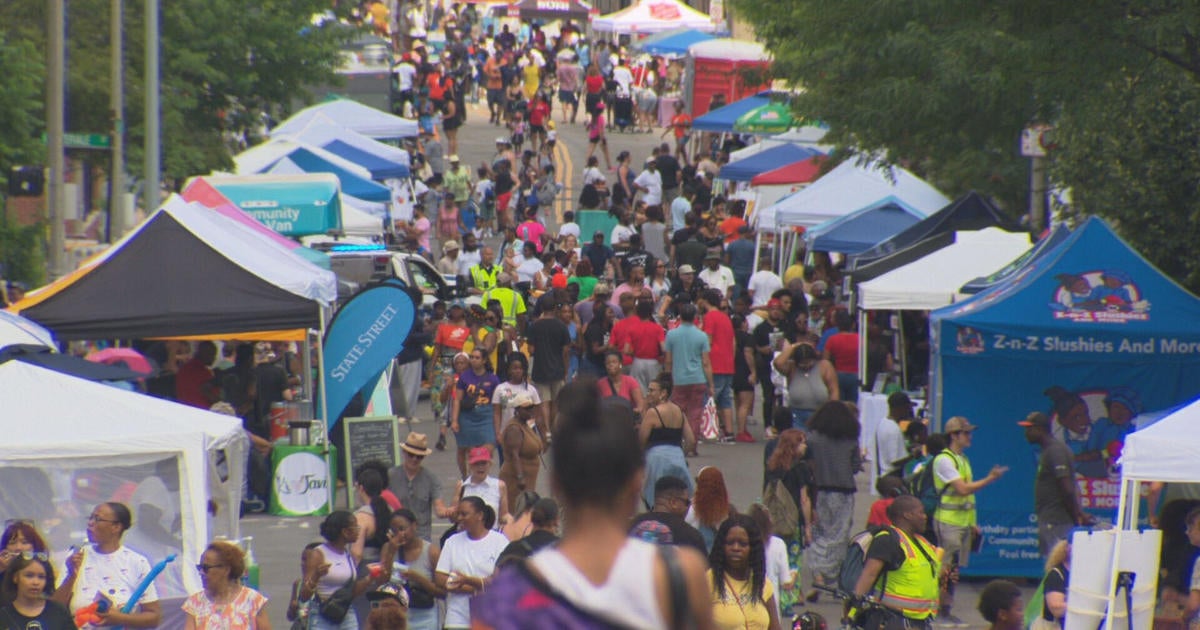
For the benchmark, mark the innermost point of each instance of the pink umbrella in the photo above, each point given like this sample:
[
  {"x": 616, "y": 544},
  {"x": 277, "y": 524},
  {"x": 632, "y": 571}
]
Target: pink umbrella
[{"x": 128, "y": 357}]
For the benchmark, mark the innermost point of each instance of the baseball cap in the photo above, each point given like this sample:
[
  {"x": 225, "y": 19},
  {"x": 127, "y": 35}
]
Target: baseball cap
[
  {"x": 454, "y": 158},
  {"x": 501, "y": 140},
  {"x": 899, "y": 399},
  {"x": 479, "y": 454},
  {"x": 521, "y": 400},
  {"x": 956, "y": 424},
  {"x": 686, "y": 269},
  {"x": 778, "y": 303},
  {"x": 713, "y": 253},
  {"x": 449, "y": 245},
  {"x": 389, "y": 591},
  {"x": 598, "y": 233},
  {"x": 1035, "y": 419}
]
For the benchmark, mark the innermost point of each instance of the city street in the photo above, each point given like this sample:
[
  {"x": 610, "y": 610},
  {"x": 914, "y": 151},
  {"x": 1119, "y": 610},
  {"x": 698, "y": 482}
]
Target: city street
[{"x": 278, "y": 541}]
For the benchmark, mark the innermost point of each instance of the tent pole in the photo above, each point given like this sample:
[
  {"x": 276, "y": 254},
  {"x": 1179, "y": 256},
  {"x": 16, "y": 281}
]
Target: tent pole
[
  {"x": 1114, "y": 565},
  {"x": 862, "y": 349},
  {"x": 898, "y": 348},
  {"x": 325, "y": 404}
]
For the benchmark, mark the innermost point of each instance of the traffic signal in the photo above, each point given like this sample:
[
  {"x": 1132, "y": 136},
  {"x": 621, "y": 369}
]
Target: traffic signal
[{"x": 26, "y": 181}]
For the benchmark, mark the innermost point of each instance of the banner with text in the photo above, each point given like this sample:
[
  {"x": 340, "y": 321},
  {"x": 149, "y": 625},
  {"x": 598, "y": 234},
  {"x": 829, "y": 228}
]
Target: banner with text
[{"x": 370, "y": 330}]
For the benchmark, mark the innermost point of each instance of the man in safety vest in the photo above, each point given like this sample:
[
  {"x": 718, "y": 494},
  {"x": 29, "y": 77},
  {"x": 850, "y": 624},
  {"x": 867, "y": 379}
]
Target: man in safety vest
[
  {"x": 902, "y": 571},
  {"x": 954, "y": 519},
  {"x": 484, "y": 275},
  {"x": 512, "y": 305}
]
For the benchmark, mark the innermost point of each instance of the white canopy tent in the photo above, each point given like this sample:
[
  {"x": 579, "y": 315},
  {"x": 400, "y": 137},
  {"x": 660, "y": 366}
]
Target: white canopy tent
[
  {"x": 363, "y": 119},
  {"x": 729, "y": 49},
  {"x": 653, "y": 16},
  {"x": 933, "y": 281},
  {"x": 72, "y": 443},
  {"x": 806, "y": 136},
  {"x": 850, "y": 187},
  {"x": 258, "y": 159},
  {"x": 16, "y": 330},
  {"x": 321, "y": 130}
]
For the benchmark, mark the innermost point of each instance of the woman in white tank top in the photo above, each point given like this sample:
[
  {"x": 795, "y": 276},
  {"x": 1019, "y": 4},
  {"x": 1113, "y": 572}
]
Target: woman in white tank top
[{"x": 330, "y": 566}]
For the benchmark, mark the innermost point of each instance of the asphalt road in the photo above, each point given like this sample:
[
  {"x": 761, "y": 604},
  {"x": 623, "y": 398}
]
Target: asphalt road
[{"x": 278, "y": 541}]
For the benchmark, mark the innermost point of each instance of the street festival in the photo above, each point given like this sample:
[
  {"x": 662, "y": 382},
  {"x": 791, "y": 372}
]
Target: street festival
[{"x": 420, "y": 350}]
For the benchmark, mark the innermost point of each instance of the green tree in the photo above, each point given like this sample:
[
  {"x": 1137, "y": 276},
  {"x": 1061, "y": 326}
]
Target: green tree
[
  {"x": 20, "y": 105},
  {"x": 945, "y": 87},
  {"x": 223, "y": 62}
]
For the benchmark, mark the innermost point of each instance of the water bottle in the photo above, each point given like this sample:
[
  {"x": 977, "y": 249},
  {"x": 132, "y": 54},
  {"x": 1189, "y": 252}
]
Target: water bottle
[{"x": 250, "y": 577}]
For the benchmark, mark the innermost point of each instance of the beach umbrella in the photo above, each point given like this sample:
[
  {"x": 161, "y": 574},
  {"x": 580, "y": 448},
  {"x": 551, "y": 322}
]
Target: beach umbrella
[{"x": 769, "y": 118}]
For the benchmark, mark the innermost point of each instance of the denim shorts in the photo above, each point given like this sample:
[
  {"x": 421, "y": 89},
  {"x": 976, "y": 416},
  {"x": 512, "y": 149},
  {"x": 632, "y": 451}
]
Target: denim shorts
[{"x": 723, "y": 391}]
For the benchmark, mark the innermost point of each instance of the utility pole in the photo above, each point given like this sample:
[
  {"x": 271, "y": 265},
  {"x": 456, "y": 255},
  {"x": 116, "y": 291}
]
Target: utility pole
[
  {"x": 55, "y": 117},
  {"x": 1037, "y": 195},
  {"x": 151, "y": 191},
  {"x": 116, "y": 195}
]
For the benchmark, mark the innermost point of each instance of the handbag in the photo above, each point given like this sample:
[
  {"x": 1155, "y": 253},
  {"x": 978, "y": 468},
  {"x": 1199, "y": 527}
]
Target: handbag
[
  {"x": 708, "y": 421},
  {"x": 781, "y": 505},
  {"x": 335, "y": 607}
]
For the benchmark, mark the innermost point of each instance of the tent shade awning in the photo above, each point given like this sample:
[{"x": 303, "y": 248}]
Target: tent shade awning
[
  {"x": 673, "y": 43},
  {"x": 850, "y": 187},
  {"x": 653, "y": 16},
  {"x": 933, "y": 281},
  {"x": 769, "y": 159},
  {"x": 363, "y": 119},
  {"x": 1048, "y": 244},
  {"x": 185, "y": 270},
  {"x": 548, "y": 10},
  {"x": 802, "y": 172},
  {"x": 1165, "y": 450},
  {"x": 969, "y": 212},
  {"x": 722, "y": 120},
  {"x": 859, "y": 231},
  {"x": 19, "y": 331}
]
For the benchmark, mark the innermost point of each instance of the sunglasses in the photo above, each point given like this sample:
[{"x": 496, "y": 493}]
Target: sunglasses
[
  {"x": 32, "y": 555},
  {"x": 203, "y": 568},
  {"x": 96, "y": 519}
]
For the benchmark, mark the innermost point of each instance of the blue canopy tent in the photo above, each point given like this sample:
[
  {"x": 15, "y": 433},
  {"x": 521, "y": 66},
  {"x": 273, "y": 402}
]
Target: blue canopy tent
[
  {"x": 862, "y": 229},
  {"x": 1047, "y": 244},
  {"x": 722, "y": 120},
  {"x": 1089, "y": 333},
  {"x": 380, "y": 168},
  {"x": 672, "y": 43},
  {"x": 382, "y": 160},
  {"x": 768, "y": 159},
  {"x": 967, "y": 213},
  {"x": 309, "y": 162}
]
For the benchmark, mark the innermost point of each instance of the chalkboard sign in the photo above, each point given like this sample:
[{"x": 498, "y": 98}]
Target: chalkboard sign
[{"x": 371, "y": 438}]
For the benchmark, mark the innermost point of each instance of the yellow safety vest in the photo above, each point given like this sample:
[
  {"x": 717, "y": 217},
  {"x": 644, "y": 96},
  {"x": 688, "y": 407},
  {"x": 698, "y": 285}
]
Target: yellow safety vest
[
  {"x": 484, "y": 279},
  {"x": 913, "y": 588},
  {"x": 510, "y": 301},
  {"x": 955, "y": 509}
]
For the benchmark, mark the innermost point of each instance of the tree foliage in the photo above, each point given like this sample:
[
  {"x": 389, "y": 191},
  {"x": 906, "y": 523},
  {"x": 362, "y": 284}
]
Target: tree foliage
[
  {"x": 945, "y": 87},
  {"x": 223, "y": 62}
]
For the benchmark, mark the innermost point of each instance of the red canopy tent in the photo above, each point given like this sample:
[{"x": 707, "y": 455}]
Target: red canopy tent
[{"x": 802, "y": 172}]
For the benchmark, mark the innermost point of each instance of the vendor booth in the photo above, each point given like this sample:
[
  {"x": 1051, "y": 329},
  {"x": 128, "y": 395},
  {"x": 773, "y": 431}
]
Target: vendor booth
[
  {"x": 733, "y": 67},
  {"x": 722, "y": 120},
  {"x": 672, "y": 43},
  {"x": 1047, "y": 244},
  {"x": 544, "y": 10},
  {"x": 286, "y": 158},
  {"x": 292, "y": 205},
  {"x": 71, "y": 444},
  {"x": 383, "y": 161},
  {"x": 744, "y": 170},
  {"x": 1089, "y": 333},
  {"x": 363, "y": 119},
  {"x": 849, "y": 187},
  {"x": 860, "y": 230},
  {"x": 18, "y": 331},
  {"x": 653, "y": 16}
]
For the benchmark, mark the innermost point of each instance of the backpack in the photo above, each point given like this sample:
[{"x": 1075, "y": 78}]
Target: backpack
[
  {"x": 923, "y": 486},
  {"x": 856, "y": 558},
  {"x": 781, "y": 505}
]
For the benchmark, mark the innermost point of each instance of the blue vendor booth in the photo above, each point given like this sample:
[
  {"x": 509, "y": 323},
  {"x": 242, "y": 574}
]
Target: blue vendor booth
[{"x": 1089, "y": 333}]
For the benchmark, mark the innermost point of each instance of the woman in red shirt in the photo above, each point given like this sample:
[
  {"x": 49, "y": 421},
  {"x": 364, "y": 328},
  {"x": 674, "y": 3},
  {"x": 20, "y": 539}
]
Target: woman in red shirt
[
  {"x": 841, "y": 349},
  {"x": 448, "y": 341},
  {"x": 621, "y": 385},
  {"x": 594, "y": 85},
  {"x": 539, "y": 112}
]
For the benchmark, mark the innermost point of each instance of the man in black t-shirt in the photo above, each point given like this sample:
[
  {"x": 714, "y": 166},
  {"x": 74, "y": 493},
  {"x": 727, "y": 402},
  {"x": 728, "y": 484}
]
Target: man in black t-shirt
[
  {"x": 664, "y": 524},
  {"x": 767, "y": 336},
  {"x": 549, "y": 343},
  {"x": 669, "y": 168}
]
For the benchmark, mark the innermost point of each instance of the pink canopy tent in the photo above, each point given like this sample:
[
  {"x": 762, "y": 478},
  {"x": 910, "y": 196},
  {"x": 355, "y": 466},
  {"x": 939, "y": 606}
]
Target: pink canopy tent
[{"x": 202, "y": 192}]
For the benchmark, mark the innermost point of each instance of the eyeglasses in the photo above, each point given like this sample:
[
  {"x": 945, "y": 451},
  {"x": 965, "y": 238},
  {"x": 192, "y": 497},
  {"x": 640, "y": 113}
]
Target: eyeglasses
[
  {"x": 31, "y": 555},
  {"x": 416, "y": 457},
  {"x": 203, "y": 568},
  {"x": 96, "y": 519}
]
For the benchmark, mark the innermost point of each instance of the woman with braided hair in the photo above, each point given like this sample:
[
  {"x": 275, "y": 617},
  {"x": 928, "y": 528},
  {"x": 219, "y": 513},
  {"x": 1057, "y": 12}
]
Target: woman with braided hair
[{"x": 743, "y": 598}]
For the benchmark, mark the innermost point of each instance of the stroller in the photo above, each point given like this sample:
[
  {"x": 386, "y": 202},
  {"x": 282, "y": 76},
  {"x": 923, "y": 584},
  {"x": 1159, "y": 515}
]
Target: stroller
[{"x": 623, "y": 110}]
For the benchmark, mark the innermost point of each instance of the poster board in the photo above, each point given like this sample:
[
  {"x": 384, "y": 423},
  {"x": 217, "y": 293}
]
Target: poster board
[
  {"x": 368, "y": 438},
  {"x": 1092, "y": 568}
]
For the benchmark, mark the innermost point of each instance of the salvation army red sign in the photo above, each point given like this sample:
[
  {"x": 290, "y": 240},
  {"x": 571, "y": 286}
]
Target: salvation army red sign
[{"x": 665, "y": 11}]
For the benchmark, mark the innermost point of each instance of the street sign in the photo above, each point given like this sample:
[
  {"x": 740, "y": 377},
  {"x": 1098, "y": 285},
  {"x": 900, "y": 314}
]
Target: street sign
[
  {"x": 1036, "y": 141},
  {"x": 85, "y": 141}
]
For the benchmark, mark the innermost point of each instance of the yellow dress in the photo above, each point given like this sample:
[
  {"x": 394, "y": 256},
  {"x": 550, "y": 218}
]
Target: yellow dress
[
  {"x": 739, "y": 613},
  {"x": 532, "y": 76}
]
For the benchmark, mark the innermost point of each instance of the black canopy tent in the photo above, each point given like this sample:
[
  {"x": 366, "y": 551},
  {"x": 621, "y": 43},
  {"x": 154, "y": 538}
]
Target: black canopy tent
[{"x": 547, "y": 10}]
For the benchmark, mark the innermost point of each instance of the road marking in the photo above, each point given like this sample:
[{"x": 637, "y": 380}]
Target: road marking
[{"x": 564, "y": 168}]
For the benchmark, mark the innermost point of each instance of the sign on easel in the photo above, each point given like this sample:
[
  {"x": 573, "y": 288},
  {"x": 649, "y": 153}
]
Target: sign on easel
[
  {"x": 1093, "y": 567},
  {"x": 370, "y": 438}
]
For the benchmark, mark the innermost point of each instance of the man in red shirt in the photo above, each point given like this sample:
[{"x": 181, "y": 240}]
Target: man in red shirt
[
  {"x": 842, "y": 351},
  {"x": 194, "y": 381},
  {"x": 719, "y": 329},
  {"x": 641, "y": 343}
]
